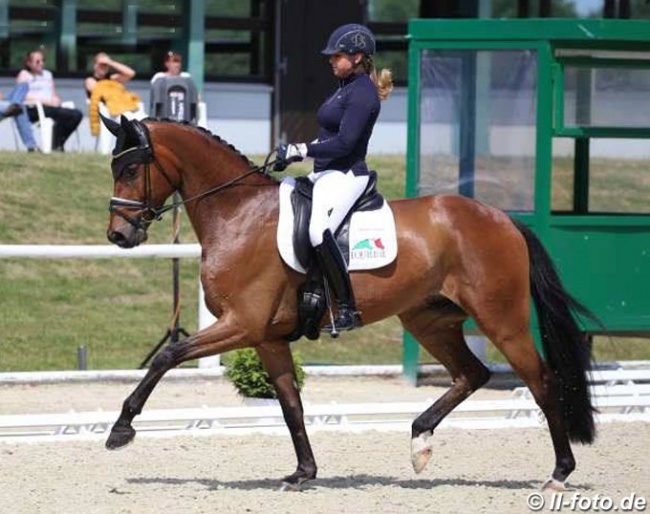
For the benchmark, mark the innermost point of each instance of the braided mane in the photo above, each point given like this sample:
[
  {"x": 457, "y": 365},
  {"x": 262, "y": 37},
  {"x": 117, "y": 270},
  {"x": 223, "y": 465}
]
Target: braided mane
[{"x": 205, "y": 131}]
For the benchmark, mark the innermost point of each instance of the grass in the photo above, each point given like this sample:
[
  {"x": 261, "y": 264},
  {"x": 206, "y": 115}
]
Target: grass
[
  {"x": 120, "y": 308},
  {"x": 117, "y": 308}
]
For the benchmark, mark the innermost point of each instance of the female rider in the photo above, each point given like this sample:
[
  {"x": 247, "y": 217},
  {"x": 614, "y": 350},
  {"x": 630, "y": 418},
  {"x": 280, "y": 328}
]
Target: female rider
[{"x": 346, "y": 120}]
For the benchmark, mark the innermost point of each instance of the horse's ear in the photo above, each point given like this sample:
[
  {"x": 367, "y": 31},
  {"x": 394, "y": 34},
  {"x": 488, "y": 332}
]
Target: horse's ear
[
  {"x": 112, "y": 126},
  {"x": 131, "y": 129},
  {"x": 124, "y": 121}
]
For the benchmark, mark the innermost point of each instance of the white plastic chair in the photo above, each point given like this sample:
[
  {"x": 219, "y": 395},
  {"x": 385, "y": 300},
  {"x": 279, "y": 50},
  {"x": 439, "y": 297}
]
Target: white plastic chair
[
  {"x": 202, "y": 114},
  {"x": 105, "y": 141},
  {"x": 44, "y": 127}
]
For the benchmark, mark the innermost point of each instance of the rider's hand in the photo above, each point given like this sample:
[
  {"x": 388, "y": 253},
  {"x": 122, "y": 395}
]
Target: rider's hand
[{"x": 288, "y": 153}]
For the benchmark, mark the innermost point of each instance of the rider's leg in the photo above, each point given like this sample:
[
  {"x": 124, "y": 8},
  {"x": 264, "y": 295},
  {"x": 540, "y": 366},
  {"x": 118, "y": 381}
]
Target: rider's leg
[
  {"x": 333, "y": 265},
  {"x": 334, "y": 195}
]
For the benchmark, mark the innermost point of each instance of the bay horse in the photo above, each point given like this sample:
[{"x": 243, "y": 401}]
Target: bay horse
[{"x": 458, "y": 258}]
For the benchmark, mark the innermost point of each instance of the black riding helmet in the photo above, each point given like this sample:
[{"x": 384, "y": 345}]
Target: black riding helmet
[{"x": 350, "y": 39}]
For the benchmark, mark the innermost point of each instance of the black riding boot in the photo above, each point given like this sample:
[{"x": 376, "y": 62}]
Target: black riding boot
[{"x": 334, "y": 268}]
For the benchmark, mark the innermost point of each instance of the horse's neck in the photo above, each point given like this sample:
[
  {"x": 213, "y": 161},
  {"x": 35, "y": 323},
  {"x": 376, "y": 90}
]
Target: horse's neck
[
  {"x": 204, "y": 168},
  {"x": 232, "y": 210}
]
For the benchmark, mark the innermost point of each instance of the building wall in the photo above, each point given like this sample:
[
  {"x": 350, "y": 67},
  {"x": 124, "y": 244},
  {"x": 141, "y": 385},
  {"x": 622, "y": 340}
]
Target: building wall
[
  {"x": 241, "y": 114},
  {"x": 238, "y": 113}
]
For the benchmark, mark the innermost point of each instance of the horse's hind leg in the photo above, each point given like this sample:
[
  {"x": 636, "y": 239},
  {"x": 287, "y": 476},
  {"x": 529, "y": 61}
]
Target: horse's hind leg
[
  {"x": 520, "y": 351},
  {"x": 278, "y": 363},
  {"x": 443, "y": 338}
]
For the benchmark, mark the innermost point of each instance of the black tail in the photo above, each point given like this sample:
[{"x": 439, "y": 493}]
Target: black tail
[{"x": 567, "y": 350}]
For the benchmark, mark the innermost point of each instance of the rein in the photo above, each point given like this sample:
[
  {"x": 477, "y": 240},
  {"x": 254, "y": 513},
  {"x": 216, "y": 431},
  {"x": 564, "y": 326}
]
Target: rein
[
  {"x": 257, "y": 169},
  {"x": 155, "y": 213}
]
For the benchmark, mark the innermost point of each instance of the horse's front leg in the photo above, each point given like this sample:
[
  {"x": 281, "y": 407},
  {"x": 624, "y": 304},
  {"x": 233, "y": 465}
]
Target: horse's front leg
[
  {"x": 215, "y": 339},
  {"x": 278, "y": 363}
]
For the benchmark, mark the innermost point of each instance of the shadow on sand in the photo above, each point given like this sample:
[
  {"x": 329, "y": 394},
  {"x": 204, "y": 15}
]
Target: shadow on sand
[{"x": 360, "y": 482}]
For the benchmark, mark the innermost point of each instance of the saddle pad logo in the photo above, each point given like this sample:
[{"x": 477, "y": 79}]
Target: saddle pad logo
[{"x": 369, "y": 248}]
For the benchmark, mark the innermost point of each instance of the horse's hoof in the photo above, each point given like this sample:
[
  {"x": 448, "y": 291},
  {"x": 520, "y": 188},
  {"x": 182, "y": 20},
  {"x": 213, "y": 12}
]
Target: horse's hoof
[
  {"x": 290, "y": 488},
  {"x": 553, "y": 486},
  {"x": 293, "y": 483},
  {"x": 421, "y": 451},
  {"x": 119, "y": 437}
]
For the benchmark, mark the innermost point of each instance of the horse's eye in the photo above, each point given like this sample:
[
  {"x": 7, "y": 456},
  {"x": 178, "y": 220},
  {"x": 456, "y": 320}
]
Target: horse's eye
[{"x": 130, "y": 171}]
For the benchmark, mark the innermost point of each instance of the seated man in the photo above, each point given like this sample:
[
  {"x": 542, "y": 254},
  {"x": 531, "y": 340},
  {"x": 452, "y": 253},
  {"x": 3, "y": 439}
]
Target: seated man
[
  {"x": 13, "y": 106},
  {"x": 41, "y": 89}
]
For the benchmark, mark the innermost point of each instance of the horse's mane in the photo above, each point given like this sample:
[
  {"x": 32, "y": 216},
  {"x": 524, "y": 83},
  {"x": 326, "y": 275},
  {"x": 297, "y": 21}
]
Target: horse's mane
[{"x": 216, "y": 138}]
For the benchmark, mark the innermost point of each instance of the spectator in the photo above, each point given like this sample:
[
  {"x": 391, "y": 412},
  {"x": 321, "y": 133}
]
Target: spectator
[
  {"x": 105, "y": 68},
  {"x": 41, "y": 89},
  {"x": 173, "y": 64},
  {"x": 13, "y": 106},
  {"x": 167, "y": 100},
  {"x": 107, "y": 85}
]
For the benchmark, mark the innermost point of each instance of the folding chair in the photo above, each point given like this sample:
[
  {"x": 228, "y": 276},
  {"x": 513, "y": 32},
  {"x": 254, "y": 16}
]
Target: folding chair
[{"x": 177, "y": 98}]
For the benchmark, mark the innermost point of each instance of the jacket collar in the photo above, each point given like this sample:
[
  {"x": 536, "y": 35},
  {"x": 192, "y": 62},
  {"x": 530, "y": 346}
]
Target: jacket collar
[{"x": 350, "y": 79}]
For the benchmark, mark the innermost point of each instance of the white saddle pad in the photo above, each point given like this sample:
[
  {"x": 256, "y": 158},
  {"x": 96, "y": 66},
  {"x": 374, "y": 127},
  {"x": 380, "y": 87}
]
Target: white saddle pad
[{"x": 373, "y": 241}]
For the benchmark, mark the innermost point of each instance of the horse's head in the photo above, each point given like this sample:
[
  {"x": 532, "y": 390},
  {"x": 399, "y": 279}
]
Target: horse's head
[{"x": 137, "y": 193}]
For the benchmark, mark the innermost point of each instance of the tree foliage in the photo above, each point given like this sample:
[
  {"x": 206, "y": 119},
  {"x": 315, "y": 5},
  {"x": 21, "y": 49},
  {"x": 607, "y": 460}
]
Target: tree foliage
[{"x": 508, "y": 9}]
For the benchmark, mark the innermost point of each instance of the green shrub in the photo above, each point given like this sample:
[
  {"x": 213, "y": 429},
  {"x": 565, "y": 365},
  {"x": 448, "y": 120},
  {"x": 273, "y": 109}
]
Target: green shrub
[{"x": 247, "y": 374}]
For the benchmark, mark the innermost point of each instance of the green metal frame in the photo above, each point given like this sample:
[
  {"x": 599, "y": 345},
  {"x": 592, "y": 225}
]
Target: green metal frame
[
  {"x": 64, "y": 36},
  {"x": 603, "y": 259}
]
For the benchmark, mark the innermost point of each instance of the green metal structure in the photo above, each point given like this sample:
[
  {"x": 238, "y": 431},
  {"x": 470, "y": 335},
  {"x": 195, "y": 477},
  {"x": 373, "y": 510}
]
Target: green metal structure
[{"x": 549, "y": 120}]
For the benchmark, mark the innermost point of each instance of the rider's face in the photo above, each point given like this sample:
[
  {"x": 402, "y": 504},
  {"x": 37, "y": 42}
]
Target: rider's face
[{"x": 343, "y": 65}]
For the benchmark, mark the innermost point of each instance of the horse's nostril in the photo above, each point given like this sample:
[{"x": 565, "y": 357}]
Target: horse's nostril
[{"x": 116, "y": 237}]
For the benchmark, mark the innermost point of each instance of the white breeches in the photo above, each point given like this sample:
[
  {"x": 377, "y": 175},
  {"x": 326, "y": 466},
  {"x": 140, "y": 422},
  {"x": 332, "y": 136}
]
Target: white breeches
[{"x": 334, "y": 195}]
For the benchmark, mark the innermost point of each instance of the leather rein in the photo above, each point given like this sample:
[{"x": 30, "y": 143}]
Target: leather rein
[{"x": 144, "y": 155}]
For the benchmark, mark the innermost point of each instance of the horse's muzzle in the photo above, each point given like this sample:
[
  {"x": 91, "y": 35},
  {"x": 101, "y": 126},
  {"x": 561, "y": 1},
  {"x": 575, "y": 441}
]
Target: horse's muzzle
[{"x": 126, "y": 237}]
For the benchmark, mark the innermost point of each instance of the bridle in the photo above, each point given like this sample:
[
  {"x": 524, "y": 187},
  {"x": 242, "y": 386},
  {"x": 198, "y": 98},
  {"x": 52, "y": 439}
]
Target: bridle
[{"x": 144, "y": 155}]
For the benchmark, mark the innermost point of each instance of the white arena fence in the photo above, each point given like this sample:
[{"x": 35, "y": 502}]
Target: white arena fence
[
  {"x": 619, "y": 394},
  {"x": 165, "y": 251}
]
